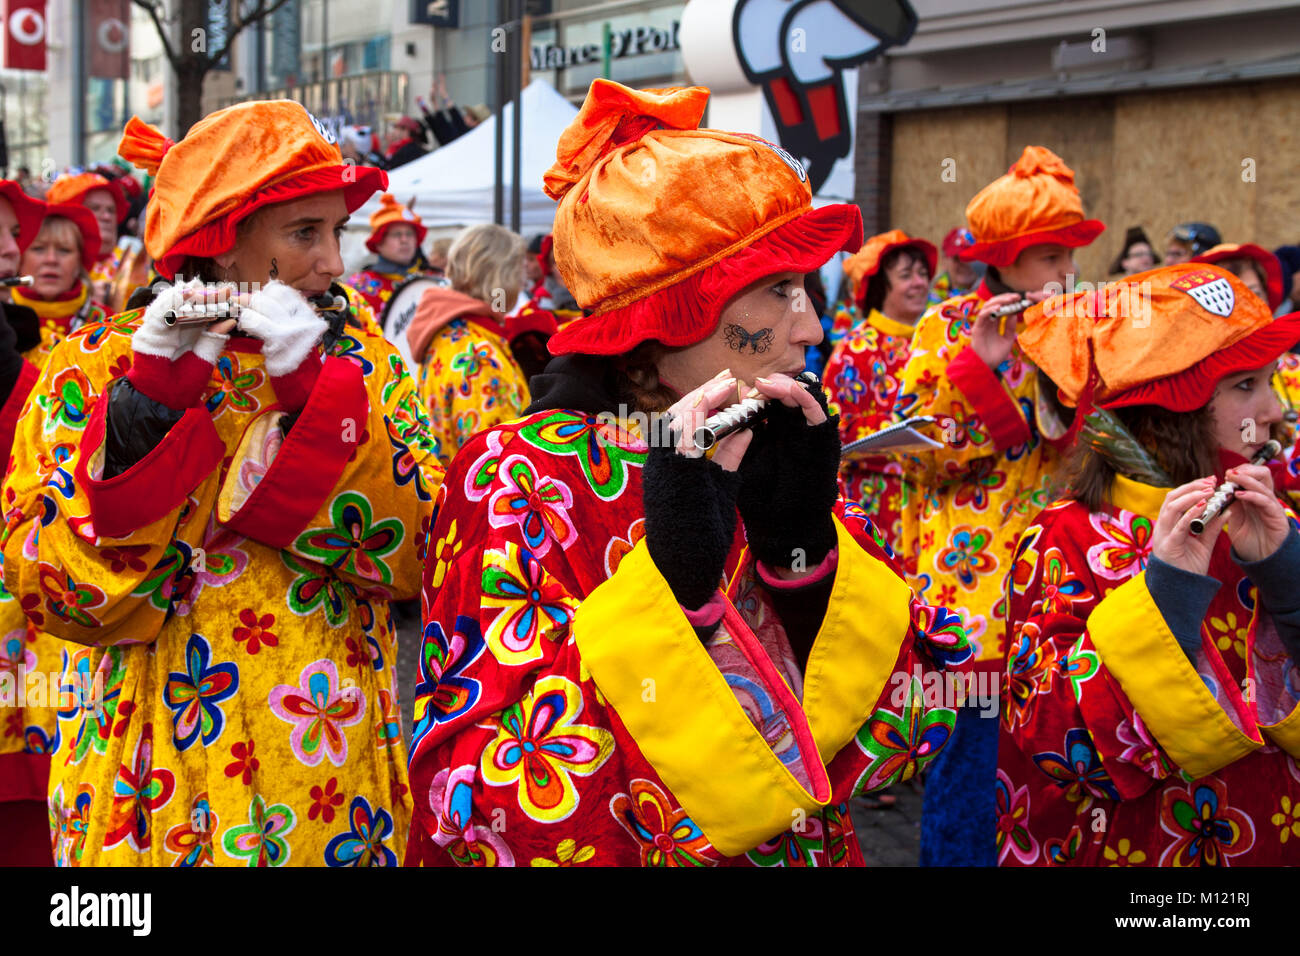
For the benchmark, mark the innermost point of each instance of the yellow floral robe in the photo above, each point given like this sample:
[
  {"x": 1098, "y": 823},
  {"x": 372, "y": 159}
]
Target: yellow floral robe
[
  {"x": 228, "y": 690},
  {"x": 977, "y": 493},
  {"x": 469, "y": 381}
]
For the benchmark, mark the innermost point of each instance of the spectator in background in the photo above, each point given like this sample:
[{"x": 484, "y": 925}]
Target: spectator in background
[
  {"x": 956, "y": 275},
  {"x": 550, "y": 293},
  {"x": 468, "y": 377},
  {"x": 1190, "y": 239},
  {"x": 1136, "y": 255},
  {"x": 410, "y": 144}
]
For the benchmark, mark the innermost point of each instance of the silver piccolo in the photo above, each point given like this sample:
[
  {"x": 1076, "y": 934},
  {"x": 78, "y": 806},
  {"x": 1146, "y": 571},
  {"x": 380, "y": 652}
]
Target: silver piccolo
[
  {"x": 16, "y": 280},
  {"x": 1007, "y": 311},
  {"x": 744, "y": 414},
  {"x": 205, "y": 313},
  {"x": 1223, "y": 496}
]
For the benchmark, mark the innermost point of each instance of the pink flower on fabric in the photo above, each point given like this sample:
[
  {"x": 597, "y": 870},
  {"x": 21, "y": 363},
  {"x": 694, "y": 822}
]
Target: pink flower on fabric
[
  {"x": 319, "y": 708},
  {"x": 538, "y": 505}
]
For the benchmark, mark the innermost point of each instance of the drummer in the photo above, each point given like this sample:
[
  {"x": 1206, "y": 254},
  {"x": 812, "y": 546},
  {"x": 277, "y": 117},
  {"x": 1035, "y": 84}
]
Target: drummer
[{"x": 395, "y": 237}]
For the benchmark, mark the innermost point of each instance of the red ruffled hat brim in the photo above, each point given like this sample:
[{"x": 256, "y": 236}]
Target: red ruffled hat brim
[
  {"x": 1193, "y": 387},
  {"x": 29, "y": 210},
  {"x": 359, "y": 183},
  {"x": 1003, "y": 252},
  {"x": 688, "y": 311}
]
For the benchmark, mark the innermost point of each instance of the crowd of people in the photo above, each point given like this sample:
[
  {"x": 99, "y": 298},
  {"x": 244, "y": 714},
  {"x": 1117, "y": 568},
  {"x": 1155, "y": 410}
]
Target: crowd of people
[{"x": 230, "y": 468}]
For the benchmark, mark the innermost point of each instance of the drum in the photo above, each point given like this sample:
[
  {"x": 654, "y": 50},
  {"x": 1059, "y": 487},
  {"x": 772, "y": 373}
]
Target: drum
[{"x": 400, "y": 309}]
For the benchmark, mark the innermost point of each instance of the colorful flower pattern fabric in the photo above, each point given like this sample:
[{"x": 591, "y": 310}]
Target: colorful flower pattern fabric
[
  {"x": 978, "y": 493},
  {"x": 215, "y": 681},
  {"x": 1102, "y": 706},
  {"x": 520, "y": 753},
  {"x": 377, "y": 287},
  {"x": 862, "y": 377},
  {"x": 469, "y": 381}
]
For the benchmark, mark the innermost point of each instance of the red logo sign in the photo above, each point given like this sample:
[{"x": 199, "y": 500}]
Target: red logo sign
[{"x": 25, "y": 35}]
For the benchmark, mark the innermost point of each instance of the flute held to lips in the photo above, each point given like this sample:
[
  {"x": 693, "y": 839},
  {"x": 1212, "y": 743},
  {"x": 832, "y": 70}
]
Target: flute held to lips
[
  {"x": 744, "y": 414},
  {"x": 1224, "y": 495},
  {"x": 16, "y": 281},
  {"x": 1009, "y": 310},
  {"x": 200, "y": 313}
]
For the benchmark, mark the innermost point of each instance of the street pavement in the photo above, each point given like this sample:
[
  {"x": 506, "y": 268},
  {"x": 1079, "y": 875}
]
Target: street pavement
[{"x": 888, "y": 836}]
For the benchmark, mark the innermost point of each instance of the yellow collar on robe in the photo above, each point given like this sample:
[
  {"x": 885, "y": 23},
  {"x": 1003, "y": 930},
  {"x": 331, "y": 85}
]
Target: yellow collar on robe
[
  {"x": 58, "y": 309},
  {"x": 884, "y": 323},
  {"x": 1144, "y": 500}
]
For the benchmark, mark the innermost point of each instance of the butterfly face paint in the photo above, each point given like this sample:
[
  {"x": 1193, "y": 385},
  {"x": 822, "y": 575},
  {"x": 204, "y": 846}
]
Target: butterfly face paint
[{"x": 748, "y": 343}]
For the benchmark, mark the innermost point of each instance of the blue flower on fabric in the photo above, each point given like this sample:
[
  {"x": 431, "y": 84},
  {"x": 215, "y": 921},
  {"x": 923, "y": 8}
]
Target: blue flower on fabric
[
  {"x": 1078, "y": 768},
  {"x": 443, "y": 693},
  {"x": 194, "y": 695},
  {"x": 363, "y": 843}
]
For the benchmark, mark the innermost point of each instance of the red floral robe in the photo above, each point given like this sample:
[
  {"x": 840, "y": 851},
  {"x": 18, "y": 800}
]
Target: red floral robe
[
  {"x": 862, "y": 377},
  {"x": 1114, "y": 750},
  {"x": 566, "y": 712}
]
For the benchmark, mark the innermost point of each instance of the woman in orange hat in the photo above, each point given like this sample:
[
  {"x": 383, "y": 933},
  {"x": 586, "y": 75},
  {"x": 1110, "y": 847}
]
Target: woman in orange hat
[
  {"x": 30, "y": 723},
  {"x": 890, "y": 280},
  {"x": 395, "y": 237},
  {"x": 1002, "y": 437},
  {"x": 217, "y": 518},
  {"x": 1151, "y": 714},
  {"x": 592, "y": 689},
  {"x": 59, "y": 259}
]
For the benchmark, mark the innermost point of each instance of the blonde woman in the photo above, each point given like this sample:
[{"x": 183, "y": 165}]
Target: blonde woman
[{"x": 468, "y": 378}]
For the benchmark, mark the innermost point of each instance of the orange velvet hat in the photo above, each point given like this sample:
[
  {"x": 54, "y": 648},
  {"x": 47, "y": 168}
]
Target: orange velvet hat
[
  {"x": 86, "y": 224},
  {"x": 1034, "y": 204},
  {"x": 1268, "y": 262},
  {"x": 29, "y": 210},
  {"x": 392, "y": 213},
  {"x": 73, "y": 187},
  {"x": 865, "y": 263},
  {"x": 1164, "y": 337},
  {"x": 230, "y": 164},
  {"x": 660, "y": 224}
]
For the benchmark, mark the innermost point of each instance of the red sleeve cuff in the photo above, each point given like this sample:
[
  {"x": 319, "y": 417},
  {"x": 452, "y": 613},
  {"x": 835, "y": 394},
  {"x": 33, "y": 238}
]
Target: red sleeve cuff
[
  {"x": 989, "y": 398},
  {"x": 311, "y": 460},
  {"x": 155, "y": 485},
  {"x": 13, "y": 406},
  {"x": 707, "y": 614},
  {"x": 811, "y": 576}
]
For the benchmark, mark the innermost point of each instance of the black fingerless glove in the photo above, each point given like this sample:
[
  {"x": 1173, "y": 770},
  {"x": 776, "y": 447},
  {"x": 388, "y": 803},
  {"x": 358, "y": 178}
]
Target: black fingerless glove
[
  {"x": 690, "y": 520},
  {"x": 788, "y": 486}
]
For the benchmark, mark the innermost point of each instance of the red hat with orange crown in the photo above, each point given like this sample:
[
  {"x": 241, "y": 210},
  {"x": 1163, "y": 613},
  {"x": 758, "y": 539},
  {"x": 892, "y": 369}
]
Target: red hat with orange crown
[
  {"x": 1035, "y": 203},
  {"x": 74, "y": 187},
  {"x": 230, "y": 164},
  {"x": 865, "y": 263},
  {"x": 1164, "y": 337},
  {"x": 660, "y": 223},
  {"x": 392, "y": 213}
]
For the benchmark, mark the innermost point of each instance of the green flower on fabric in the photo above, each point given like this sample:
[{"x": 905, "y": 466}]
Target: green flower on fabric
[
  {"x": 354, "y": 544},
  {"x": 603, "y": 450},
  {"x": 1077, "y": 666},
  {"x": 315, "y": 590},
  {"x": 66, "y": 402},
  {"x": 261, "y": 841},
  {"x": 901, "y": 743},
  {"x": 171, "y": 576}
]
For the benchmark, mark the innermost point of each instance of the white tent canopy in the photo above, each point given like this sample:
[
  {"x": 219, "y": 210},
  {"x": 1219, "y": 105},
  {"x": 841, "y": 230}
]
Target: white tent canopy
[{"x": 453, "y": 185}]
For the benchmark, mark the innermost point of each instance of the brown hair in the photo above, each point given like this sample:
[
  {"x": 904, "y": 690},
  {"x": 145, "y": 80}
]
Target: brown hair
[
  {"x": 878, "y": 285},
  {"x": 637, "y": 378},
  {"x": 1239, "y": 264},
  {"x": 1182, "y": 443}
]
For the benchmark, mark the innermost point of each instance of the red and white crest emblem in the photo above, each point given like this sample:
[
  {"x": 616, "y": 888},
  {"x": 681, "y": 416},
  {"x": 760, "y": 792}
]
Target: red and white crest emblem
[{"x": 1212, "y": 292}]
